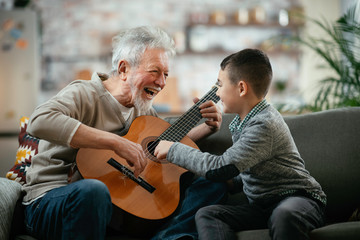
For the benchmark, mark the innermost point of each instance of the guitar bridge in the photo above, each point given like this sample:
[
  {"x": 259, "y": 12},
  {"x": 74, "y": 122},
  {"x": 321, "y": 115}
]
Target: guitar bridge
[{"x": 127, "y": 172}]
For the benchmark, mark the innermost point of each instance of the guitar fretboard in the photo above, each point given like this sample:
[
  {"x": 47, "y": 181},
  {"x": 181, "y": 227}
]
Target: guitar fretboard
[{"x": 188, "y": 120}]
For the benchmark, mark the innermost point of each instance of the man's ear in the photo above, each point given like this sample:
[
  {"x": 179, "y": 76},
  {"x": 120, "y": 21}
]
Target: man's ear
[
  {"x": 243, "y": 88},
  {"x": 123, "y": 68}
]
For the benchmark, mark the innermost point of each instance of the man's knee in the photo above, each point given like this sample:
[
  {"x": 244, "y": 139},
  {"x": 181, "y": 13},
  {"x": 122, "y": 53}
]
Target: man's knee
[
  {"x": 92, "y": 187},
  {"x": 93, "y": 192}
]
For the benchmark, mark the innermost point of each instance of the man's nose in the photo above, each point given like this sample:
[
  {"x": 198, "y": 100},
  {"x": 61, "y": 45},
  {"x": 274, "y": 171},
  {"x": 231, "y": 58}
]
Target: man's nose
[{"x": 161, "y": 81}]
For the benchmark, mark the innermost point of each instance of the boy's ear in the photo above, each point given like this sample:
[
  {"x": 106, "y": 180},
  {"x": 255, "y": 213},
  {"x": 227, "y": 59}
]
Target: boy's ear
[
  {"x": 243, "y": 88},
  {"x": 123, "y": 69}
]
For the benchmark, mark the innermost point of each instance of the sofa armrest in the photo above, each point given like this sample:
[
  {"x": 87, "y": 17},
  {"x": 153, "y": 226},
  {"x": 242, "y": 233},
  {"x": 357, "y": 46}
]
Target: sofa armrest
[{"x": 10, "y": 193}]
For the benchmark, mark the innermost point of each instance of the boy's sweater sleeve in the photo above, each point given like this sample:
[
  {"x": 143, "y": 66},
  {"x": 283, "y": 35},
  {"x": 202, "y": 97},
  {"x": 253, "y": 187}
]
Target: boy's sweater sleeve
[{"x": 253, "y": 146}]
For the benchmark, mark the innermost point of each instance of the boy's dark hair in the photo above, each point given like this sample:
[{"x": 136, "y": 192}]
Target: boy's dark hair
[{"x": 252, "y": 66}]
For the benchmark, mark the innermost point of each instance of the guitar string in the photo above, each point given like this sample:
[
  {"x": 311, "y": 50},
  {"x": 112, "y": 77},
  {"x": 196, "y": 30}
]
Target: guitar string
[{"x": 175, "y": 129}]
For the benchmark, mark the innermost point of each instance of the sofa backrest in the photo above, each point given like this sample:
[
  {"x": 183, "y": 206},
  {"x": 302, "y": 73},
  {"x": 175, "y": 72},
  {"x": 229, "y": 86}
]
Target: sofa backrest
[{"x": 329, "y": 142}]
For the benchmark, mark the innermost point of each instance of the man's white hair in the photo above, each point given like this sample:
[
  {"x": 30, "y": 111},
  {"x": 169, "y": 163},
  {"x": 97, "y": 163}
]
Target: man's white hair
[{"x": 130, "y": 44}]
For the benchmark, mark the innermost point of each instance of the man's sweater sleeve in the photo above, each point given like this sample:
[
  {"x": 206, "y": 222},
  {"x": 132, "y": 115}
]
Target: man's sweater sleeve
[{"x": 58, "y": 119}]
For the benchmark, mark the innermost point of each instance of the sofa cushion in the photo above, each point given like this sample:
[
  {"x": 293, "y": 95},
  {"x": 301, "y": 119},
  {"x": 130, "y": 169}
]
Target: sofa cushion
[
  {"x": 10, "y": 193},
  {"x": 261, "y": 234},
  {"x": 343, "y": 231},
  {"x": 24, "y": 237},
  {"x": 28, "y": 147}
]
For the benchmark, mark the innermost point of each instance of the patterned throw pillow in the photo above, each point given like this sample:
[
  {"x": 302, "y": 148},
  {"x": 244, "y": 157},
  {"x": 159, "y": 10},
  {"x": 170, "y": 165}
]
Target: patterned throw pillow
[{"x": 28, "y": 148}]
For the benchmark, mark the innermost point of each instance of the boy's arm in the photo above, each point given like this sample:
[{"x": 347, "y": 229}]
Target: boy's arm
[{"x": 255, "y": 146}]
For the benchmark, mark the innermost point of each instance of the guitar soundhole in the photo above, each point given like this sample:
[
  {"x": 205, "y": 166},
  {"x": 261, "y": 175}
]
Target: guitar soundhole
[{"x": 149, "y": 144}]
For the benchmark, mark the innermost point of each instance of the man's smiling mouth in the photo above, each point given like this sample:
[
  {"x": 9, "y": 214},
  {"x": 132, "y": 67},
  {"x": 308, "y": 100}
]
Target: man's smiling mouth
[{"x": 150, "y": 92}]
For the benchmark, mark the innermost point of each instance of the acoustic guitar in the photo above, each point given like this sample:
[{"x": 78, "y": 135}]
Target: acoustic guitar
[{"x": 155, "y": 194}]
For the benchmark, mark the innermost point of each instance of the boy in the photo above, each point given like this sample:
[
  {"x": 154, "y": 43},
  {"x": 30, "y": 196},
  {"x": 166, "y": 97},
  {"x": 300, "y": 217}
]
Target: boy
[{"x": 263, "y": 160}]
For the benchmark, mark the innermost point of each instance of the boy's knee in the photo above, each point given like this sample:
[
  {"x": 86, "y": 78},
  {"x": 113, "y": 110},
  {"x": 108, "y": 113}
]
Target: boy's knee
[
  {"x": 205, "y": 213},
  {"x": 202, "y": 217},
  {"x": 284, "y": 222},
  {"x": 283, "y": 215},
  {"x": 199, "y": 214}
]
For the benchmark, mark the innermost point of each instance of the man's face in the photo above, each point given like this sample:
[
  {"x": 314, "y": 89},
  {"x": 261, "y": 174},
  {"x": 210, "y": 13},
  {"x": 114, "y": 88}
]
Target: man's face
[{"x": 149, "y": 78}]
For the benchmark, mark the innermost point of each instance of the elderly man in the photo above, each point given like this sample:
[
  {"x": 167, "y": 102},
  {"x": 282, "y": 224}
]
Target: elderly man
[{"x": 90, "y": 114}]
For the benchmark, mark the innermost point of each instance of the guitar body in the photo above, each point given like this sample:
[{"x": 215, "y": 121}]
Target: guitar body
[{"x": 126, "y": 193}]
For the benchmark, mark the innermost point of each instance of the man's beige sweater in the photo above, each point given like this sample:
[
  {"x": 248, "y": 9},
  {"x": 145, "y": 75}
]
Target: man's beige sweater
[{"x": 55, "y": 123}]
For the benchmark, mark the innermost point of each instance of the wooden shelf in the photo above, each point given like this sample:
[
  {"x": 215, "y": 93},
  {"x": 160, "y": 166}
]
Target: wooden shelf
[
  {"x": 191, "y": 28},
  {"x": 293, "y": 52},
  {"x": 249, "y": 25}
]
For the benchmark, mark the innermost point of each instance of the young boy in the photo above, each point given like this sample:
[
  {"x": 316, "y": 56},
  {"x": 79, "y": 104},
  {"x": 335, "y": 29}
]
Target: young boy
[{"x": 263, "y": 160}]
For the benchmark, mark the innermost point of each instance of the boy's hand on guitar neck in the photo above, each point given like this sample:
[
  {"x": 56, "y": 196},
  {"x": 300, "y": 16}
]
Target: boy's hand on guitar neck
[{"x": 210, "y": 111}]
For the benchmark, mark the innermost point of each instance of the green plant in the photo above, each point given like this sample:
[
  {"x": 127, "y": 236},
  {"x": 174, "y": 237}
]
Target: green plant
[{"x": 341, "y": 52}]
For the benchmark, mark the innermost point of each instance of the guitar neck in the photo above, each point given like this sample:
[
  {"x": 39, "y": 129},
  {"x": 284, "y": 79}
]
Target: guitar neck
[{"x": 189, "y": 119}]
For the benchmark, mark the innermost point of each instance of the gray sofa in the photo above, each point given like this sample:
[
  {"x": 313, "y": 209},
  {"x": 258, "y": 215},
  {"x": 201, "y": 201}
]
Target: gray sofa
[{"x": 329, "y": 142}]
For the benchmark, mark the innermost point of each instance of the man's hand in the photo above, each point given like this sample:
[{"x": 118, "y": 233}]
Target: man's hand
[
  {"x": 162, "y": 149},
  {"x": 133, "y": 154},
  {"x": 88, "y": 137},
  {"x": 212, "y": 113}
]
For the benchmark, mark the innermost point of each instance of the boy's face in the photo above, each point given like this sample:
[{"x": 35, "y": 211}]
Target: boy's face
[{"x": 228, "y": 92}]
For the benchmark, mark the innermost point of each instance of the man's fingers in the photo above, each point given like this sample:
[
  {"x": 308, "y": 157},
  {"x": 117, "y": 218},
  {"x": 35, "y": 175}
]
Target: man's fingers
[
  {"x": 138, "y": 167},
  {"x": 139, "y": 162}
]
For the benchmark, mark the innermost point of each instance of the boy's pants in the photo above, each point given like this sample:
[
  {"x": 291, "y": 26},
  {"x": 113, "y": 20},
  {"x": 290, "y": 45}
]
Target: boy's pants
[{"x": 292, "y": 218}]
